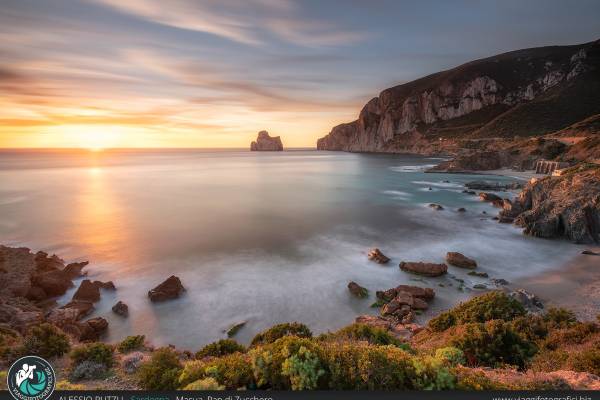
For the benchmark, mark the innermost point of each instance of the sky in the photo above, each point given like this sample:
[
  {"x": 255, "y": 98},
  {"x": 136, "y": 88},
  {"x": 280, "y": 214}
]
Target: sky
[{"x": 212, "y": 73}]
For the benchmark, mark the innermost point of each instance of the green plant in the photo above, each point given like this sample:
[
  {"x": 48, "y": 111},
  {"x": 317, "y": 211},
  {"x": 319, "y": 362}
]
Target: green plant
[
  {"x": 487, "y": 307},
  {"x": 433, "y": 374},
  {"x": 560, "y": 317},
  {"x": 204, "y": 384},
  {"x": 303, "y": 369},
  {"x": 586, "y": 361},
  {"x": 575, "y": 334},
  {"x": 3, "y": 380},
  {"x": 450, "y": 356},
  {"x": 281, "y": 330},
  {"x": 470, "y": 379},
  {"x": 46, "y": 341},
  {"x": 373, "y": 335},
  {"x": 97, "y": 352},
  {"x": 493, "y": 344},
  {"x": 66, "y": 385},
  {"x": 162, "y": 371},
  {"x": 220, "y": 348},
  {"x": 131, "y": 343}
]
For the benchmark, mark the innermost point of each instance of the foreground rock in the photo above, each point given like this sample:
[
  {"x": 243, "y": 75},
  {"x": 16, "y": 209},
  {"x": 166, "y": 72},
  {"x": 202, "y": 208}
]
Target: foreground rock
[
  {"x": 264, "y": 142},
  {"x": 493, "y": 186},
  {"x": 400, "y": 303},
  {"x": 566, "y": 206},
  {"x": 169, "y": 289},
  {"x": 489, "y": 197},
  {"x": 426, "y": 269},
  {"x": 377, "y": 256},
  {"x": 358, "y": 290},
  {"x": 87, "y": 291},
  {"x": 415, "y": 291},
  {"x": 399, "y": 330},
  {"x": 460, "y": 260},
  {"x": 529, "y": 300}
]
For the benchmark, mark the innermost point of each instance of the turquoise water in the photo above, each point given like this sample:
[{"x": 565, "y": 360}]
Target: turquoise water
[{"x": 257, "y": 237}]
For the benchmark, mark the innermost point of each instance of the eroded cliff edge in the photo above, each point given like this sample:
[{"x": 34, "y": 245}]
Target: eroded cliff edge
[{"x": 527, "y": 92}]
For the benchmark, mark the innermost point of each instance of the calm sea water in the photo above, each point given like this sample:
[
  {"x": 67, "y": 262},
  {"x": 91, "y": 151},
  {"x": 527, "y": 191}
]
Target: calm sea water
[{"x": 257, "y": 237}]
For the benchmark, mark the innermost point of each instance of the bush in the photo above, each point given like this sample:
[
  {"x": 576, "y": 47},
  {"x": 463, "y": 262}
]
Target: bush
[
  {"x": 131, "y": 343},
  {"x": 220, "y": 348},
  {"x": 487, "y": 307},
  {"x": 576, "y": 334},
  {"x": 560, "y": 318},
  {"x": 132, "y": 362},
  {"x": 303, "y": 369},
  {"x": 162, "y": 371},
  {"x": 469, "y": 379},
  {"x": 586, "y": 361},
  {"x": 281, "y": 330},
  {"x": 66, "y": 385},
  {"x": 450, "y": 356},
  {"x": 3, "y": 380},
  {"x": 531, "y": 327},
  {"x": 98, "y": 352},
  {"x": 204, "y": 384},
  {"x": 361, "y": 366},
  {"x": 232, "y": 371},
  {"x": 88, "y": 370},
  {"x": 433, "y": 374},
  {"x": 494, "y": 343},
  {"x": 373, "y": 335},
  {"x": 46, "y": 341}
]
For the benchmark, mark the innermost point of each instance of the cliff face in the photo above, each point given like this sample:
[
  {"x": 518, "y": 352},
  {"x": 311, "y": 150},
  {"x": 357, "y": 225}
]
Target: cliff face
[
  {"x": 521, "y": 93},
  {"x": 264, "y": 142}
]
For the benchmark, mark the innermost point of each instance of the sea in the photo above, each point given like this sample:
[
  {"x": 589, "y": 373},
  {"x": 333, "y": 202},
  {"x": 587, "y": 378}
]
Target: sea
[{"x": 256, "y": 237}]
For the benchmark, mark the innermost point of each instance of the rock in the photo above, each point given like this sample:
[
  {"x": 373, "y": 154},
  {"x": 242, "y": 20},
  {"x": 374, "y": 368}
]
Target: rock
[
  {"x": 169, "y": 289},
  {"x": 53, "y": 282},
  {"x": 45, "y": 264},
  {"x": 87, "y": 291},
  {"x": 415, "y": 291},
  {"x": 264, "y": 142},
  {"x": 566, "y": 206},
  {"x": 426, "y": 269},
  {"x": 530, "y": 301},
  {"x": 492, "y": 186},
  {"x": 460, "y": 260},
  {"x": 436, "y": 207},
  {"x": 469, "y": 192},
  {"x": 98, "y": 324},
  {"x": 132, "y": 362},
  {"x": 105, "y": 285},
  {"x": 36, "y": 293},
  {"x": 499, "y": 282},
  {"x": 590, "y": 253},
  {"x": 73, "y": 270},
  {"x": 462, "y": 209},
  {"x": 405, "y": 330},
  {"x": 121, "y": 309},
  {"x": 490, "y": 197},
  {"x": 358, "y": 290},
  {"x": 84, "y": 308},
  {"x": 235, "y": 329},
  {"x": 395, "y": 308},
  {"x": 377, "y": 256},
  {"x": 479, "y": 274},
  {"x": 479, "y": 286},
  {"x": 419, "y": 304},
  {"x": 374, "y": 321},
  {"x": 62, "y": 317}
]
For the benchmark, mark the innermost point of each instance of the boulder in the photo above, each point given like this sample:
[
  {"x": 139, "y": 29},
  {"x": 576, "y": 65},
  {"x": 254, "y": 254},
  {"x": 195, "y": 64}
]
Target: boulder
[
  {"x": 422, "y": 268},
  {"x": 490, "y": 197},
  {"x": 462, "y": 210},
  {"x": 460, "y": 260},
  {"x": 590, "y": 253},
  {"x": 377, "y": 256},
  {"x": 169, "y": 289},
  {"x": 374, "y": 321},
  {"x": 87, "y": 291},
  {"x": 43, "y": 263},
  {"x": 105, "y": 285},
  {"x": 415, "y": 291},
  {"x": 73, "y": 270},
  {"x": 53, "y": 282},
  {"x": 98, "y": 324},
  {"x": 529, "y": 300},
  {"x": 358, "y": 290},
  {"x": 436, "y": 207},
  {"x": 84, "y": 308},
  {"x": 264, "y": 142},
  {"x": 36, "y": 293},
  {"x": 121, "y": 309}
]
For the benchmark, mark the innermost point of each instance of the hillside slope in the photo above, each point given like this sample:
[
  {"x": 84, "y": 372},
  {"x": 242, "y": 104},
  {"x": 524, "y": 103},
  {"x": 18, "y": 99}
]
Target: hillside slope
[{"x": 527, "y": 92}]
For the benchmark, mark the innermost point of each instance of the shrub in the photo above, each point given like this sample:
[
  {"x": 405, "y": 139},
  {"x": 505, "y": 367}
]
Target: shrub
[
  {"x": 220, "y": 348},
  {"x": 132, "y": 362},
  {"x": 361, "y": 366},
  {"x": 493, "y": 344},
  {"x": 88, "y": 370},
  {"x": 3, "y": 380},
  {"x": 586, "y": 361},
  {"x": 549, "y": 360},
  {"x": 131, "y": 343},
  {"x": 98, "y": 352},
  {"x": 204, "y": 384},
  {"x": 560, "y": 318},
  {"x": 281, "y": 330},
  {"x": 161, "y": 372},
  {"x": 46, "y": 341},
  {"x": 470, "y": 379},
  {"x": 232, "y": 371},
  {"x": 303, "y": 369},
  {"x": 66, "y": 385},
  {"x": 531, "y": 327},
  {"x": 433, "y": 374},
  {"x": 575, "y": 334},
  {"x": 450, "y": 356},
  {"x": 373, "y": 335},
  {"x": 487, "y": 307}
]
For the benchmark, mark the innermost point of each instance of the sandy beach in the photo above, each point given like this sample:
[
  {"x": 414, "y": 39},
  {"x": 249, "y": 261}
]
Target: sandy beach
[{"x": 575, "y": 285}]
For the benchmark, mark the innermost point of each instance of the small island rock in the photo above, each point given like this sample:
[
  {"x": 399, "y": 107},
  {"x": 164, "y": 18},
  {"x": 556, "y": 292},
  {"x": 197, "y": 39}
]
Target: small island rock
[
  {"x": 377, "y": 256},
  {"x": 264, "y": 142},
  {"x": 121, "y": 309},
  {"x": 169, "y": 289},
  {"x": 358, "y": 290},
  {"x": 426, "y": 269},
  {"x": 460, "y": 260}
]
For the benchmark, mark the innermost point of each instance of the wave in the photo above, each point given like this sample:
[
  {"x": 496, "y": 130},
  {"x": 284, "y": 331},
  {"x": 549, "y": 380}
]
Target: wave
[
  {"x": 397, "y": 194},
  {"x": 438, "y": 184},
  {"x": 412, "y": 168}
]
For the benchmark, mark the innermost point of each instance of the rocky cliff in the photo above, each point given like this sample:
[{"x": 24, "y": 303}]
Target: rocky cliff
[
  {"x": 522, "y": 93},
  {"x": 264, "y": 142}
]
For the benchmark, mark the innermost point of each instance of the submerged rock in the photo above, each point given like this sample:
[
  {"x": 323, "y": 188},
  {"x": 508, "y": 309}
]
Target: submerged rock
[
  {"x": 437, "y": 207},
  {"x": 264, "y": 142},
  {"x": 121, "y": 309},
  {"x": 490, "y": 197},
  {"x": 590, "y": 253},
  {"x": 235, "y": 329},
  {"x": 460, "y": 260},
  {"x": 169, "y": 289},
  {"x": 377, "y": 256},
  {"x": 426, "y": 269},
  {"x": 358, "y": 290}
]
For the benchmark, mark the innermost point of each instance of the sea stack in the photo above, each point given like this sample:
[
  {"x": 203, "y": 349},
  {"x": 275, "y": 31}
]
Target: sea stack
[{"x": 264, "y": 142}]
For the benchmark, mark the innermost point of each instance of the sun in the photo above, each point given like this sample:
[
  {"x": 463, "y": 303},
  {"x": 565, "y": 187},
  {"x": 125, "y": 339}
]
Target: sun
[{"x": 91, "y": 137}]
